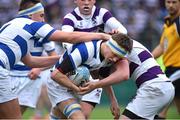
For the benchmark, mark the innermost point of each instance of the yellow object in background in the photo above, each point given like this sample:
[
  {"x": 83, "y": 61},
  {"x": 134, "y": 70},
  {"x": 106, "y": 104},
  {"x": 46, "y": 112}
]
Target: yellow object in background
[{"x": 160, "y": 62}]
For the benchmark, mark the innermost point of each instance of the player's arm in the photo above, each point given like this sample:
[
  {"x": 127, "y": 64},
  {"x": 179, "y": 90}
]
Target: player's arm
[
  {"x": 115, "y": 26},
  {"x": 46, "y": 31},
  {"x": 120, "y": 74},
  {"x": 45, "y": 61},
  {"x": 67, "y": 26},
  {"x": 75, "y": 37},
  {"x": 158, "y": 51},
  {"x": 59, "y": 74},
  {"x": 114, "y": 106},
  {"x": 35, "y": 72},
  {"x": 63, "y": 80},
  {"x": 112, "y": 24}
]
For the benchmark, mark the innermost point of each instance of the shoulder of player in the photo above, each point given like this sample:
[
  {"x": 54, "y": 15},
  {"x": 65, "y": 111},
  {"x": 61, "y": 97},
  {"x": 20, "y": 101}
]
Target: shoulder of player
[{"x": 103, "y": 10}]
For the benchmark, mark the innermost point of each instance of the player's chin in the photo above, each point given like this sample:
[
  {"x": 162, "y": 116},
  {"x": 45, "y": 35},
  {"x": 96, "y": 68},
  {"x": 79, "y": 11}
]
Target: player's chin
[{"x": 86, "y": 11}]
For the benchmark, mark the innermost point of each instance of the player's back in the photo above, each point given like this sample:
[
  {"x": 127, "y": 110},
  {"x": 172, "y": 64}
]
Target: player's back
[
  {"x": 15, "y": 36},
  {"x": 143, "y": 66},
  {"x": 85, "y": 53},
  {"x": 13, "y": 41}
]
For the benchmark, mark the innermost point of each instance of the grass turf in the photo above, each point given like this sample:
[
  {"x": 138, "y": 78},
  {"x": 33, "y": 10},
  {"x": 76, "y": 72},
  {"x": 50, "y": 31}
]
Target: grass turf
[{"x": 102, "y": 112}]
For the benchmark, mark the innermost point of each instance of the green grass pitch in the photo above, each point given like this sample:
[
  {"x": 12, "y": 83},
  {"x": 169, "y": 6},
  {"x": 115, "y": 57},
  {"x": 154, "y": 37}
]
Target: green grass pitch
[{"x": 103, "y": 112}]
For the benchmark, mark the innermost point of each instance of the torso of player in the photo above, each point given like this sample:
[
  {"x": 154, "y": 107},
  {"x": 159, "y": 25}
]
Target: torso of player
[
  {"x": 87, "y": 54},
  {"x": 92, "y": 23},
  {"x": 141, "y": 61},
  {"x": 171, "y": 42},
  {"x": 15, "y": 36}
]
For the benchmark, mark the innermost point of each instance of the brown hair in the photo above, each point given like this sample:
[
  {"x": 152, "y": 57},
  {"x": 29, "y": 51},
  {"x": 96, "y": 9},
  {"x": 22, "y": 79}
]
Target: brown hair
[
  {"x": 25, "y": 4},
  {"x": 124, "y": 41}
]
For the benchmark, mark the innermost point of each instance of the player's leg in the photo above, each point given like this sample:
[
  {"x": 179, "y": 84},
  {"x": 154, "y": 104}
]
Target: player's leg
[
  {"x": 71, "y": 109},
  {"x": 28, "y": 92},
  {"x": 146, "y": 103},
  {"x": 9, "y": 106},
  {"x": 23, "y": 109},
  {"x": 89, "y": 101},
  {"x": 56, "y": 114},
  {"x": 43, "y": 101},
  {"x": 65, "y": 100},
  {"x": 87, "y": 108},
  {"x": 10, "y": 110},
  {"x": 176, "y": 83},
  {"x": 18, "y": 86},
  {"x": 163, "y": 113},
  {"x": 177, "y": 94}
]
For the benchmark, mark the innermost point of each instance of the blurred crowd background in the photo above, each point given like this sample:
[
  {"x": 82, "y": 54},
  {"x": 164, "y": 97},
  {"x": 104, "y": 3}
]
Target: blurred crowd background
[{"x": 142, "y": 18}]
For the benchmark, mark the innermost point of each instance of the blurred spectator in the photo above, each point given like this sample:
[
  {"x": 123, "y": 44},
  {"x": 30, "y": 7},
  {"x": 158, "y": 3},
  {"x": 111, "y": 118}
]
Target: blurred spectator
[{"x": 8, "y": 10}]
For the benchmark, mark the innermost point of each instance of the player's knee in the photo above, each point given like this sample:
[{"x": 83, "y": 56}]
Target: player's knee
[{"x": 70, "y": 109}]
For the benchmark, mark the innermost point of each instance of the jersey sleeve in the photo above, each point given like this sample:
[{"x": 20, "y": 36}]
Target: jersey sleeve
[
  {"x": 49, "y": 46},
  {"x": 67, "y": 26},
  {"x": 42, "y": 30},
  {"x": 111, "y": 22},
  {"x": 65, "y": 66},
  {"x": 68, "y": 23}
]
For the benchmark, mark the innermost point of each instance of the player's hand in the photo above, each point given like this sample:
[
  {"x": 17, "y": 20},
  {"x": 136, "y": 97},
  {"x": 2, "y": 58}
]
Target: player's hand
[
  {"x": 106, "y": 36},
  {"x": 34, "y": 73},
  {"x": 115, "y": 110},
  {"x": 114, "y": 31},
  {"x": 87, "y": 87}
]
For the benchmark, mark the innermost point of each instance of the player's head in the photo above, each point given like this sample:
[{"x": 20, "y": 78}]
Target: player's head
[
  {"x": 32, "y": 8},
  {"x": 85, "y": 6},
  {"x": 119, "y": 45},
  {"x": 173, "y": 7}
]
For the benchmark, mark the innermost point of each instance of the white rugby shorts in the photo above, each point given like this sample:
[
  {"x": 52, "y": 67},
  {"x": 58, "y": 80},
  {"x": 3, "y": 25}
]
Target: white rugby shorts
[
  {"x": 5, "y": 86},
  {"x": 151, "y": 98},
  {"x": 27, "y": 90},
  {"x": 58, "y": 93}
]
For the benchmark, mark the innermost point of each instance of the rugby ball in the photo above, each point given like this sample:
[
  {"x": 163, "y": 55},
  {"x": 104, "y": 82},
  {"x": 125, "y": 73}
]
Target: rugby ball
[{"x": 80, "y": 76}]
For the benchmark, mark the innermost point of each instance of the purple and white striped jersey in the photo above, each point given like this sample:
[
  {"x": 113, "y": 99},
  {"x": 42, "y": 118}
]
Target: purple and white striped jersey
[
  {"x": 143, "y": 66},
  {"x": 15, "y": 38},
  {"x": 101, "y": 20}
]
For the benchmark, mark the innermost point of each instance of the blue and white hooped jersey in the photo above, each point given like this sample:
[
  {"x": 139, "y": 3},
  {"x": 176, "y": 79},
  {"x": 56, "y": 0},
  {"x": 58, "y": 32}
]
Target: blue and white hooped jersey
[
  {"x": 100, "y": 20},
  {"x": 15, "y": 39},
  {"x": 143, "y": 66},
  {"x": 36, "y": 49},
  {"x": 85, "y": 53}
]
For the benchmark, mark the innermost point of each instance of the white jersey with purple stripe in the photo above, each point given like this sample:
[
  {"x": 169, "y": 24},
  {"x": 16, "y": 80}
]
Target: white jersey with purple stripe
[
  {"x": 85, "y": 53},
  {"x": 15, "y": 39},
  {"x": 100, "y": 20},
  {"x": 143, "y": 67}
]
